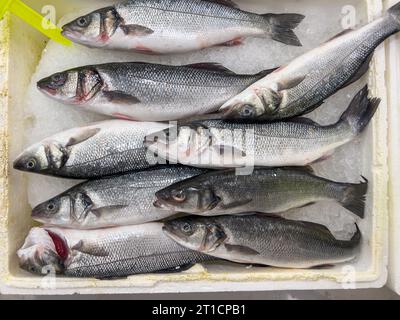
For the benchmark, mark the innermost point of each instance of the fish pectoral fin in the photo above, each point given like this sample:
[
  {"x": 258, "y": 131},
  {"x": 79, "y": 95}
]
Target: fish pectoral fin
[
  {"x": 242, "y": 250},
  {"x": 107, "y": 210},
  {"x": 232, "y": 43},
  {"x": 342, "y": 33},
  {"x": 290, "y": 83},
  {"x": 90, "y": 249},
  {"x": 211, "y": 67},
  {"x": 83, "y": 135},
  {"x": 120, "y": 97},
  {"x": 136, "y": 30},
  {"x": 177, "y": 269},
  {"x": 224, "y": 150},
  {"x": 236, "y": 204},
  {"x": 214, "y": 203},
  {"x": 360, "y": 72},
  {"x": 307, "y": 205}
]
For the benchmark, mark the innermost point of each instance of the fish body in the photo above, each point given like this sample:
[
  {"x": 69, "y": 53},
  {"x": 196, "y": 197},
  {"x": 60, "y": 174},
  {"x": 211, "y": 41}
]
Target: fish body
[
  {"x": 113, "y": 201},
  {"x": 170, "y": 26},
  {"x": 265, "y": 190},
  {"x": 220, "y": 144},
  {"x": 110, "y": 253},
  {"x": 97, "y": 150},
  {"x": 303, "y": 85},
  {"x": 147, "y": 92},
  {"x": 263, "y": 240}
]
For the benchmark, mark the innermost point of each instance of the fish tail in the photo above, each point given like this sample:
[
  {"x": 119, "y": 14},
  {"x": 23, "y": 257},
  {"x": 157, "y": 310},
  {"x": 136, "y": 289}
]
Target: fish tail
[
  {"x": 360, "y": 112},
  {"x": 394, "y": 14},
  {"x": 356, "y": 239},
  {"x": 282, "y": 26},
  {"x": 354, "y": 198}
]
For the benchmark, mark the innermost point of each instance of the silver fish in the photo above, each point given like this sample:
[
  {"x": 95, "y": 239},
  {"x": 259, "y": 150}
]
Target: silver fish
[
  {"x": 304, "y": 84},
  {"x": 107, "y": 253},
  {"x": 147, "y": 92},
  {"x": 265, "y": 190},
  {"x": 219, "y": 144},
  {"x": 115, "y": 201},
  {"x": 97, "y": 150},
  {"x": 263, "y": 240},
  {"x": 170, "y": 26}
]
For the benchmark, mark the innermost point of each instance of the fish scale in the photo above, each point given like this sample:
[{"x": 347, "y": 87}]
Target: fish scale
[
  {"x": 279, "y": 143},
  {"x": 264, "y": 190},
  {"x": 202, "y": 14},
  {"x": 98, "y": 150},
  {"x": 166, "y": 26},
  {"x": 302, "y": 85},
  {"x": 353, "y": 49},
  {"x": 223, "y": 144},
  {"x": 152, "y": 92},
  {"x": 127, "y": 251},
  {"x": 271, "y": 241},
  {"x": 115, "y": 201}
]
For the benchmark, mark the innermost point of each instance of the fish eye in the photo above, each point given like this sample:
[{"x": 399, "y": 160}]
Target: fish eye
[
  {"x": 187, "y": 228},
  {"x": 51, "y": 206},
  {"x": 31, "y": 164},
  {"x": 179, "y": 196},
  {"x": 83, "y": 22},
  {"x": 57, "y": 77},
  {"x": 247, "y": 111}
]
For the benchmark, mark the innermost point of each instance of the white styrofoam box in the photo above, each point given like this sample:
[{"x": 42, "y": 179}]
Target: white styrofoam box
[
  {"x": 393, "y": 77},
  {"x": 20, "y": 52}
]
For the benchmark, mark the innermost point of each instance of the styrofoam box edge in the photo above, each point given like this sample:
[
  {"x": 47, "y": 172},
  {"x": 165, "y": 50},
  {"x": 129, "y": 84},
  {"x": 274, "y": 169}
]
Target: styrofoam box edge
[{"x": 197, "y": 282}]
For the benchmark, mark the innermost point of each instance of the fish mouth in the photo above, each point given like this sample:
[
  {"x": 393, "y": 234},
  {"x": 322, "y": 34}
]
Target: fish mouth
[
  {"x": 43, "y": 85},
  {"x": 160, "y": 205},
  {"x": 170, "y": 231},
  {"x": 69, "y": 34},
  {"x": 37, "y": 215}
]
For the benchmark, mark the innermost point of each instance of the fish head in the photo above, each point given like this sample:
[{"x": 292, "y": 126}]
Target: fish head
[
  {"x": 56, "y": 211},
  {"x": 66, "y": 210},
  {"x": 254, "y": 104},
  {"x": 180, "y": 144},
  {"x": 43, "y": 252},
  {"x": 75, "y": 86},
  {"x": 189, "y": 197},
  {"x": 195, "y": 233},
  {"x": 94, "y": 29},
  {"x": 42, "y": 158}
]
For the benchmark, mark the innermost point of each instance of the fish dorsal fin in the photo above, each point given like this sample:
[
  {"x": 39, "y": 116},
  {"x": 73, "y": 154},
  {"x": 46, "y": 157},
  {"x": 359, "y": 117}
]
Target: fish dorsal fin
[
  {"x": 210, "y": 67},
  {"x": 136, "y": 30},
  {"x": 305, "y": 121},
  {"x": 241, "y": 250},
  {"x": 341, "y": 33},
  {"x": 227, "y": 3},
  {"x": 83, "y": 135},
  {"x": 90, "y": 248}
]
